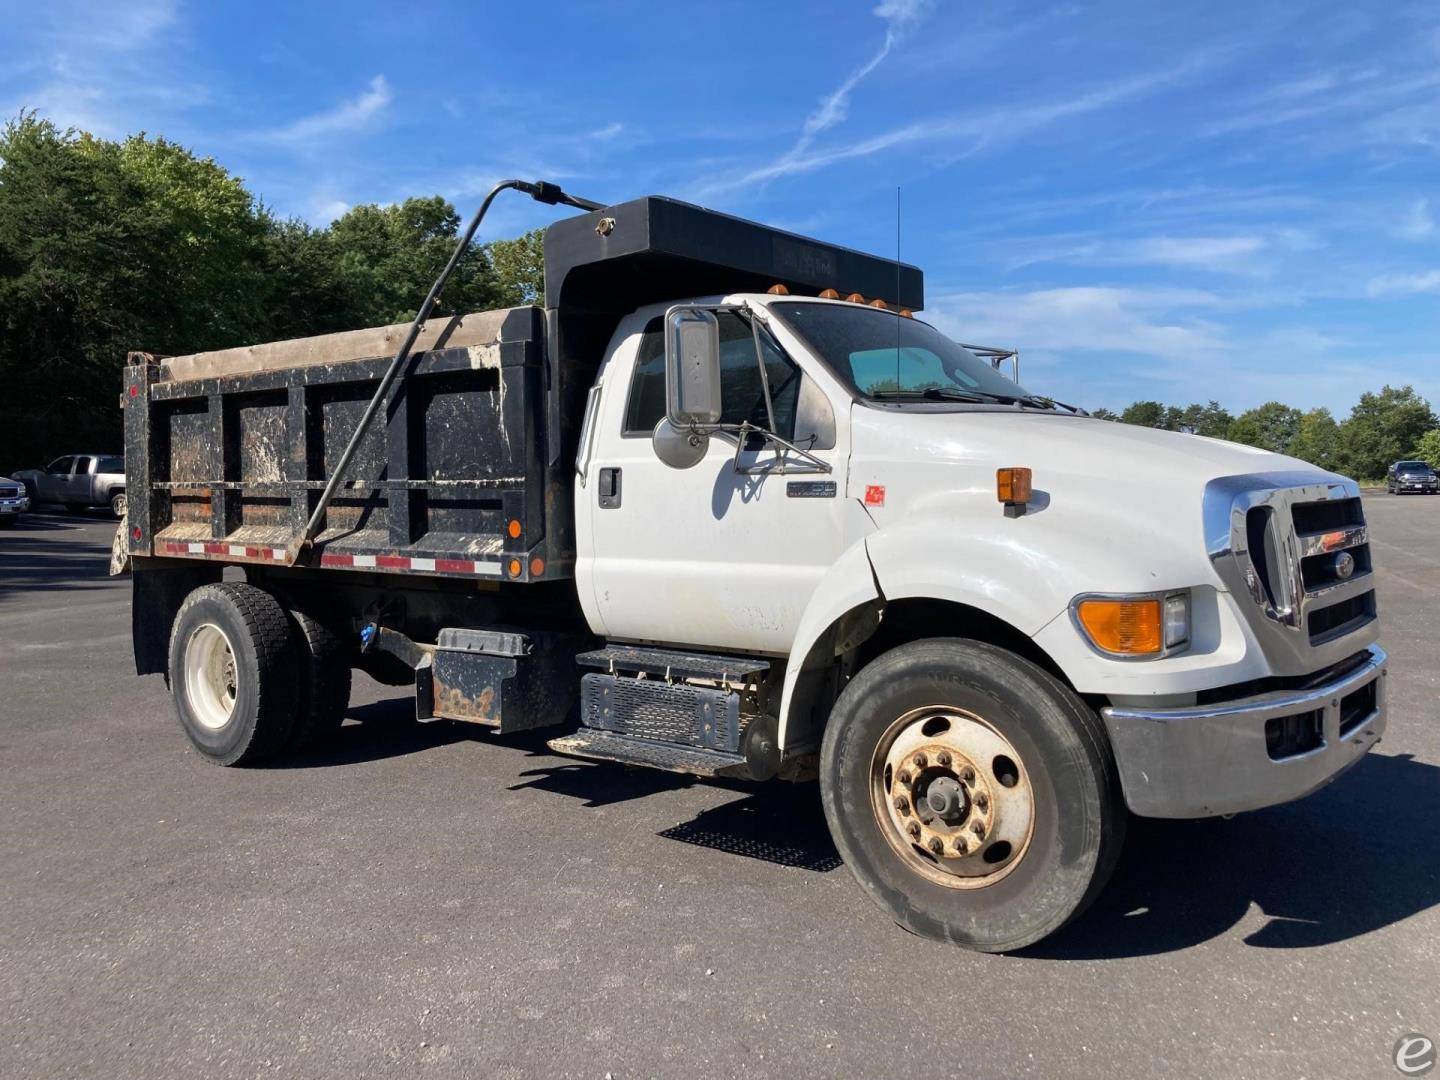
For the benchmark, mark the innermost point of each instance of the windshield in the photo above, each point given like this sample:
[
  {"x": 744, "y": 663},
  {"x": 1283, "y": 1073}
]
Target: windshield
[
  {"x": 1413, "y": 466},
  {"x": 886, "y": 356}
]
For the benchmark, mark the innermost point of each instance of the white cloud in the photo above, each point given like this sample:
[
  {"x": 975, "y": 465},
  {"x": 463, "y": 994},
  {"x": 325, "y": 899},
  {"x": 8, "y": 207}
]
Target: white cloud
[
  {"x": 349, "y": 116},
  {"x": 901, "y": 17},
  {"x": 1404, "y": 284},
  {"x": 1156, "y": 322},
  {"x": 1417, "y": 224},
  {"x": 979, "y": 129}
]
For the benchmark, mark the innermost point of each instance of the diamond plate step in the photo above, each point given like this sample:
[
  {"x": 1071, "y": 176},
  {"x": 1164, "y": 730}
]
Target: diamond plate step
[
  {"x": 629, "y": 750},
  {"x": 678, "y": 665}
]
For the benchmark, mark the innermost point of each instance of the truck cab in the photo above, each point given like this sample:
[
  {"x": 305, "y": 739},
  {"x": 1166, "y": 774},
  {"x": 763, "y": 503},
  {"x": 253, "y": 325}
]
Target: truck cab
[{"x": 729, "y": 506}]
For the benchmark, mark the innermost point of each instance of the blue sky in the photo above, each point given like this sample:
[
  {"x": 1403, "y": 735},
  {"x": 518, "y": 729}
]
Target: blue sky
[{"x": 1177, "y": 200}]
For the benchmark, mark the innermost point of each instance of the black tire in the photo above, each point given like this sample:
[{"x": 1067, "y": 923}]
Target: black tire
[
  {"x": 1078, "y": 818},
  {"x": 118, "y": 504},
  {"x": 324, "y": 681},
  {"x": 262, "y": 654}
]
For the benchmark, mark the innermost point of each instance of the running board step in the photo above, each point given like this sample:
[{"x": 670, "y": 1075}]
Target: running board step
[
  {"x": 631, "y": 750},
  {"x": 631, "y": 659}
]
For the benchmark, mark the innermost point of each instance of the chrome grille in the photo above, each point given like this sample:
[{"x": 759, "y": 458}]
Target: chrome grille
[
  {"x": 7, "y": 492},
  {"x": 1300, "y": 551}
]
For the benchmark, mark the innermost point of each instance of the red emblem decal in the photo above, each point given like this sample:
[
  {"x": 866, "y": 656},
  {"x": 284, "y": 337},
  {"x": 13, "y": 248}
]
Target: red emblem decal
[{"x": 875, "y": 495}]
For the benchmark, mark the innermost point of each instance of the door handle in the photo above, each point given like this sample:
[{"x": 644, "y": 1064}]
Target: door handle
[{"x": 609, "y": 488}]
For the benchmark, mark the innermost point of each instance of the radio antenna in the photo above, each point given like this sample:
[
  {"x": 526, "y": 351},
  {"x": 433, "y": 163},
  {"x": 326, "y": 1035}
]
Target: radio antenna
[{"x": 897, "y": 288}]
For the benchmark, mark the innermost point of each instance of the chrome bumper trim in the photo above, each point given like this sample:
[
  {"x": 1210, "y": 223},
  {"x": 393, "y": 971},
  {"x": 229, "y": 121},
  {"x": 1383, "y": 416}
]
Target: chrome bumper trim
[{"x": 1198, "y": 761}]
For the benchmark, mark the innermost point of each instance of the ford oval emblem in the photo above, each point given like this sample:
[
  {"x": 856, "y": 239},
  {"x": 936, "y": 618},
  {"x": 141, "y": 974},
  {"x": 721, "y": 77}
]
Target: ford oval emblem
[{"x": 1344, "y": 565}]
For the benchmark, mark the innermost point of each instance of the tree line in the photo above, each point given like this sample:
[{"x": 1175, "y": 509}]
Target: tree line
[
  {"x": 1383, "y": 427},
  {"x": 139, "y": 244}
]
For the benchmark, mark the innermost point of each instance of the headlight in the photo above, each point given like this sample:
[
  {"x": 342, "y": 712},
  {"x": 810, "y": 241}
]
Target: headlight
[{"x": 1141, "y": 626}]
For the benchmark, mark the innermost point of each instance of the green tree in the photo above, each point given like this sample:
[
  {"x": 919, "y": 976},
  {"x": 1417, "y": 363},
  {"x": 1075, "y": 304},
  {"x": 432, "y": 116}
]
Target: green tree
[
  {"x": 1428, "y": 448},
  {"x": 519, "y": 268},
  {"x": 1103, "y": 413},
  {"x": 387, "y": 257},
  {"x": 1145, "y": 414},
  {"x": 1209, "y": 419},
  {"x": 1271, "y": 426},
  {"x": 106, "y": 247},
  {"x": 1317, "y": 439},
  {"x": 1381, "y": 429}
]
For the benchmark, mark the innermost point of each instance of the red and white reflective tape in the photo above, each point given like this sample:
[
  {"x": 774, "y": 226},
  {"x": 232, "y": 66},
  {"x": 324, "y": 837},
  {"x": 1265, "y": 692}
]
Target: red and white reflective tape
[
  {"x": 406, "y": 562},
  {"x": 355, "y": 562},
  {"x": 237, "y": 551}
]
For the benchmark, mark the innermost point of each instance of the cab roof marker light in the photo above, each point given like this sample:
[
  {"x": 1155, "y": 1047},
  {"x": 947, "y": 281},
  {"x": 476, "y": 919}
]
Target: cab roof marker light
[{"x": 829, "y": 294}]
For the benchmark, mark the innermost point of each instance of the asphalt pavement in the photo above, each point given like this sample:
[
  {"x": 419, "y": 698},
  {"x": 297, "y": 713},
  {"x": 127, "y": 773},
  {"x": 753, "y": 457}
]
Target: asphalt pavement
[{"x": 434, "y": 901}]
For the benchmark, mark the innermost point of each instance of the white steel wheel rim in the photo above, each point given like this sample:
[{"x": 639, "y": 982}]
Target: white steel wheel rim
[
  {"x": 211, "y": 676},
  {"x": 952, "y": 796}
]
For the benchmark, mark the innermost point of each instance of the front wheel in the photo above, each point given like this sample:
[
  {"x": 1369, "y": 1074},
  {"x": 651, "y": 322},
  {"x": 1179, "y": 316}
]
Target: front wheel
[{"x": 971, "y": 793}]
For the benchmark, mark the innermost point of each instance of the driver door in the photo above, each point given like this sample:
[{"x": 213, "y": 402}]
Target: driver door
[{"x": 708, "y": 556}]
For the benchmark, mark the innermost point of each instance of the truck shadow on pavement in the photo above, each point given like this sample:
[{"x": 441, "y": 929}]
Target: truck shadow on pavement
[{"x": 1355, "y": 857}]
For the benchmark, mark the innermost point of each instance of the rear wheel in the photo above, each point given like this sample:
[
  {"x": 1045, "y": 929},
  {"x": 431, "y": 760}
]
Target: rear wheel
[
  {"x": 324, "y": 681},
  {"x": 118, "y": 504},
  {"x": 233, "y": 673},
  {"x": 972, "y": 794}
]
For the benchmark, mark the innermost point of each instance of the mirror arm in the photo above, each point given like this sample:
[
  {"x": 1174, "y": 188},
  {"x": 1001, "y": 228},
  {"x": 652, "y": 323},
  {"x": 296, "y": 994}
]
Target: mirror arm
[{"x": 746, "y": 429}]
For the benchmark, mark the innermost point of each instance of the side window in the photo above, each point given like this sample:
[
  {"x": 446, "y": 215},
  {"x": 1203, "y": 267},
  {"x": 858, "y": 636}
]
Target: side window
[
  {"x": 110, "y": 464},
  {"x": 82, "y": 465},
  {"x": 60, "y": 466},
  {"x": 647, "y": 387},
  {"x": 742, "y": 393}
]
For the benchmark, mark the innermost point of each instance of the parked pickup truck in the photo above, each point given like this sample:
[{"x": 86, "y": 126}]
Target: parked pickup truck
[
  {"x": 13, "y": 501},
  {"x": 79, "y": 480},
  {"x": 724, "y": 506}
]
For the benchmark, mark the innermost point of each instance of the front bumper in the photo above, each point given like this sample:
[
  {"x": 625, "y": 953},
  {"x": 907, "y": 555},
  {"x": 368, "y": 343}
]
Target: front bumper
[
  {"x": 1203, "y": 760},
  {"x": 1428, "y": 488},
  {"x": 14, "y": 506}
]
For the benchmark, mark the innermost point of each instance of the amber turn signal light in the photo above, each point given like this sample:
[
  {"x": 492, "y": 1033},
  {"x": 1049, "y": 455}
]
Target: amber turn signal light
[
  {"x": 1012, "y": 486},
  {"x": 1122, "y": 627}
]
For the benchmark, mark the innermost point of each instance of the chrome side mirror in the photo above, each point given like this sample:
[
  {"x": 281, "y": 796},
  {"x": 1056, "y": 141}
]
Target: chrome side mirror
[{"x": 692, "y": 367}]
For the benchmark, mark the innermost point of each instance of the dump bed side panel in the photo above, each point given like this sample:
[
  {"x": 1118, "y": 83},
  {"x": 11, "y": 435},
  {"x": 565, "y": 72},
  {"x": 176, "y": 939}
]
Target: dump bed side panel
[{"x": 451, "y": 478}]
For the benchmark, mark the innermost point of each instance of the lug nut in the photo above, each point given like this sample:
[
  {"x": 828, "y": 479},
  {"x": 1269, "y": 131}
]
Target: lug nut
[
  {"x": 960, "y": 847},
  {"x": 902, "y": 804},
  {"x": 942, "y": 759},
  {"x": 936, "y": 845},
  {"x": 967, "y": 774},
  {"x": 920, "y": 761},
  {"x": 982, "y": 801},
  {"x": 903, "y": 776},
  {"x": 978, "y": 828},
  {"x": 914, "y": 830}
]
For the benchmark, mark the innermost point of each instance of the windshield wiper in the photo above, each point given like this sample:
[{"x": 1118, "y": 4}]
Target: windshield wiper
[{"x": 931, "y": 393}]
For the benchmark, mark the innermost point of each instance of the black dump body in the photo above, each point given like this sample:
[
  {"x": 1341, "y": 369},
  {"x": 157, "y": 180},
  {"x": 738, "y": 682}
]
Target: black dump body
[{"x": 467, "y": 470}]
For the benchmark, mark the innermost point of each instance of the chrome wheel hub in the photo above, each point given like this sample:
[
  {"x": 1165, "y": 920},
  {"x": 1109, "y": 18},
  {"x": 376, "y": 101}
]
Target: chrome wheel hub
[{"x": 952, "y": 796}]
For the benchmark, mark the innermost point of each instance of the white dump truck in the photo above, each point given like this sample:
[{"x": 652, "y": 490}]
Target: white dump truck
[{"x": 725, "y": 505}]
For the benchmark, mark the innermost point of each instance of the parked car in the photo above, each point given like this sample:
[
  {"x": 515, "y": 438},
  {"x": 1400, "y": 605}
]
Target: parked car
[
  {"x": 76, "y": 481},
  {"x": 13, "y": 501},
  {"x": 1406, "y": 476}
]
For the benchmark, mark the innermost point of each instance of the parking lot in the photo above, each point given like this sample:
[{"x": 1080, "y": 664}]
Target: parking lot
[{"x": 432, "y": 900}]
